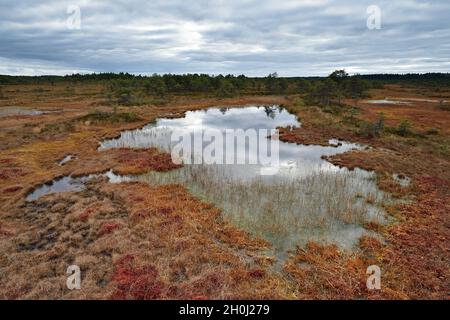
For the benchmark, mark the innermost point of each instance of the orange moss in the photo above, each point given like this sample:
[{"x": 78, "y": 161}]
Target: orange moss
[
  {"x": 418, "y": 250},
  {"x": 138, "y": 161},
  {"x": 108, "y": 227},
  {"x": 84, "y": 216},
  {"x": 136, "y": 282},
  {"x": 12, "y": 189}
]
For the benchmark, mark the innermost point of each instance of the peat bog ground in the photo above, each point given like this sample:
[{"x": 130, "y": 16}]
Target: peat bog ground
[{"x": 172, "y": 232}]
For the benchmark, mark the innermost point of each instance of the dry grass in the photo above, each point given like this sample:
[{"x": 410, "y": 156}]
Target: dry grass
[
  {"x": 135, "y": 241},
  {"x": 196, "y": 255}
]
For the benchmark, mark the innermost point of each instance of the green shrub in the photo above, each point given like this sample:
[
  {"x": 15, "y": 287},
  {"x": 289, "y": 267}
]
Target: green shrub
[
  {"x": 432, "y": 131},
  {"x": 372, "y": 130},
  {"x": 226, "y": 90},
  {"x": 379, "y": 124},
  {"x": 156, "y": 87},
  {"x": 350, "y": 117},
  {"x": 332, "y": 109},
  {"x": 404, "y": 128},
  {"x": 122, "y": 92},
  {"x": 54, "y": 128}
]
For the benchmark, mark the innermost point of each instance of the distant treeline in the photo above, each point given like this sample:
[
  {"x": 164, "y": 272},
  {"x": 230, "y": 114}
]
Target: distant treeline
[
  {"x": 186, "y": 78},
  {"x": 413, "y": 78},
  {"x": 170, "y": 83},
  {"x": 125, "y": 88},
  {"x": 160, "y": 85}
]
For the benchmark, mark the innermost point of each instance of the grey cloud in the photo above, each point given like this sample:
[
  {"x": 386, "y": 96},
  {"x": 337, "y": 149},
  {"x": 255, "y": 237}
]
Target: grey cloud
[{"x": 292, "y": 37}]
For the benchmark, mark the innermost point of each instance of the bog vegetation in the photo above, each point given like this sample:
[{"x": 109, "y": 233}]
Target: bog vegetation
[
  {"x": 143, "y": 241},
  {"x": 129, "y": 89}
]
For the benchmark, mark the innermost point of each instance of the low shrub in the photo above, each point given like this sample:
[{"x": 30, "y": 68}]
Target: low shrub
[
  {"x": 372, "y": 130},
  {"x": 432, "y": 131},
  {"x": 53, "y": 128},
  {"x": 403, "y": 129}
]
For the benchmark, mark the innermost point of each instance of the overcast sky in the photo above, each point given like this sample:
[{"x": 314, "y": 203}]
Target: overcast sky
[{"x": 255, "y": 37}]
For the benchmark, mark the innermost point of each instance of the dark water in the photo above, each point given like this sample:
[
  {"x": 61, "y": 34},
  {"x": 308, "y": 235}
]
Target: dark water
[
  {"x": 70, "y": 184},
  {"x": 63, "y": 184}
]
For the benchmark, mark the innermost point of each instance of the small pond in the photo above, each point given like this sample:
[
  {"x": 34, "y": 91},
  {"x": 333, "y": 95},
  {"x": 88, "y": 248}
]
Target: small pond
[
  {"x": 305, "y": 198},
  {"x": 69, "y": 184},
  {"x": 21, "y": 111},
  {"x": 386, "y": 101},
  {"x": 66, "y": 159}
]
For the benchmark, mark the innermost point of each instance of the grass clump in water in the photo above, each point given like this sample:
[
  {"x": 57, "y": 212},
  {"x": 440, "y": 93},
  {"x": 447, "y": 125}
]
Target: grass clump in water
[{"x": 329, "y": 207}]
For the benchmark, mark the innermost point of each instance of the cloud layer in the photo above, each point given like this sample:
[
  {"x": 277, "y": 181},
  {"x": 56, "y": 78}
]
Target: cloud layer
[{"x": 254, "y": 37}]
